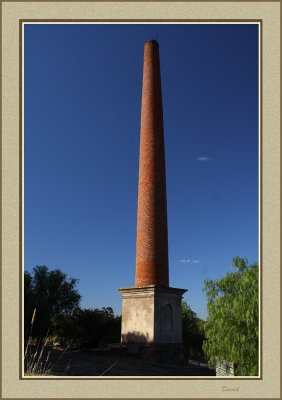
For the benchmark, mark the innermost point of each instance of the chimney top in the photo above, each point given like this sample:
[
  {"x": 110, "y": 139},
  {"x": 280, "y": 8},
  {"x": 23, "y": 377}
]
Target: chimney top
[{"x": 152, "y": 40}]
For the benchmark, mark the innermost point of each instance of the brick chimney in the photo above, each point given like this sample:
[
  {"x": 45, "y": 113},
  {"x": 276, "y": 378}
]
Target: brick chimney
[
  {"x": 151, "y": 310},
  {"x": 152, "y": 241}
]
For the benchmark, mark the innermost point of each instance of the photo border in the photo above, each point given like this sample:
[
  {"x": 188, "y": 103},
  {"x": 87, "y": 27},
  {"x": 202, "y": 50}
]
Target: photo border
[
  {"x": 22, "y": 23},
  {"x": 260, "y": 195}
]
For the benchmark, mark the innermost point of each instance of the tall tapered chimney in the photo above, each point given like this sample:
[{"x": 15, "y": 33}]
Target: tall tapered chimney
[
  {"x": 152, "y": 241},
  {"x": 151, "y": 310}
]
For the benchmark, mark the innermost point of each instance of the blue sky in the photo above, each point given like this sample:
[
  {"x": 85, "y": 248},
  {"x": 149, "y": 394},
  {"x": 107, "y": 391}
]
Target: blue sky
[{"x": 82, "y": 107}]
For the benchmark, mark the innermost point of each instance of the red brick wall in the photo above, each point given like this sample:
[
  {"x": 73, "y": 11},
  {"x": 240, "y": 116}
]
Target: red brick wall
[{"x": 152, "y": 243}]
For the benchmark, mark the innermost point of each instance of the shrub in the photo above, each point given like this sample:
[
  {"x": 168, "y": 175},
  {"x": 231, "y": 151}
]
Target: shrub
[
  {"x": 192, "y": 331},
  {"x": 88, "y": 327}
]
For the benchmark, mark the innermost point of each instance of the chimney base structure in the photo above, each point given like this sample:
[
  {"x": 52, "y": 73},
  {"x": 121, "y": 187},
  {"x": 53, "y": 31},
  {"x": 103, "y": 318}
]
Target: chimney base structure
[
  {"x": 152, "y": 323},
  {"x": 151, "y": 314},
  {"x": 151, "y": 310}
]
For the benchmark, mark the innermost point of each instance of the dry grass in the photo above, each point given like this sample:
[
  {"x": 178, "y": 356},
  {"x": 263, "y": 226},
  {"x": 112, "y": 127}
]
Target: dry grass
[
  {"x": 37, "y": 360},
  {"x": 34, "y": 362}
]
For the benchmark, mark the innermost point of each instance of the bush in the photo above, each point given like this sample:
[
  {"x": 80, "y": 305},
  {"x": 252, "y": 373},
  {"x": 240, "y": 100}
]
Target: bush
[
  {"x": 192, "y": 331},
  {"x": 88, "y": 327}
]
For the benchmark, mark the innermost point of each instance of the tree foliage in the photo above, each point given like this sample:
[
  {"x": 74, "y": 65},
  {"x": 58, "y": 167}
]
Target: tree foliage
[
  {"x": 51, "y": 293},
  {"x": 192, "y": 331},
  {"x": 88, "y": 327},
  {"x": 232, "y": 325}
]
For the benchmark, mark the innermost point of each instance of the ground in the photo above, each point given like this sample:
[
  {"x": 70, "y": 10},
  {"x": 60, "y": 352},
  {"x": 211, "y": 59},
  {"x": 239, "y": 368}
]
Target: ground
[{"x": 90, "y": 362}]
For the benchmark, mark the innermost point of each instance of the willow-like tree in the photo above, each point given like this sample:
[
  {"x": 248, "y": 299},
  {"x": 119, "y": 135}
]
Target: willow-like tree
[{"x": 232, "y": 326}]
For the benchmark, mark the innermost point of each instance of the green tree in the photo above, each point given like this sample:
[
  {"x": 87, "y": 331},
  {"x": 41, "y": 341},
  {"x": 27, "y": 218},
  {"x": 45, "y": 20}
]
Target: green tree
[
  {"x": 192, "y": 331},
  {"x": 232, "y": 325},
  {"x": 51, "y": 293}
]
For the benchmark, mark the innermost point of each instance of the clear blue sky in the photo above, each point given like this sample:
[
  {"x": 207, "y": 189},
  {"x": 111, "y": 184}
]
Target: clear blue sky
[{"x": 82, "y": 106}]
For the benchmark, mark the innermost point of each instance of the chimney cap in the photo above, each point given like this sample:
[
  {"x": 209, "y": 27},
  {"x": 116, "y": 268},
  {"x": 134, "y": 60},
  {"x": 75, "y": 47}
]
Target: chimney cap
[{"x": 152, "y": 40}]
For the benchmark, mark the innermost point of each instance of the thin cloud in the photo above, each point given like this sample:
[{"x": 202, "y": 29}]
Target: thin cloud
[
  {"x": 189, "y": 261},
  {"x": 185, "y": 261},
  {"x": 204, "y": 158}
]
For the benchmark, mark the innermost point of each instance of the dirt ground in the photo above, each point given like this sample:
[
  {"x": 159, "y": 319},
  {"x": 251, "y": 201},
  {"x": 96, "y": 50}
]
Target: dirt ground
[{"x": 88, "y": 362}]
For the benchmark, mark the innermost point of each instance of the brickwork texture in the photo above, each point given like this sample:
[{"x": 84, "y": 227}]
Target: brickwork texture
[{"x": 152, "y": 239}]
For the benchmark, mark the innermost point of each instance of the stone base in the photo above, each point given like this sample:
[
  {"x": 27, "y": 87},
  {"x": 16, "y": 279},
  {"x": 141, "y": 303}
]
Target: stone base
[{"x": 151, "y": 315}]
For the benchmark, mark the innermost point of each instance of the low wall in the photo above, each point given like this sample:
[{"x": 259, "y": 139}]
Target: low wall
[{"x": 224, "y": 368}]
